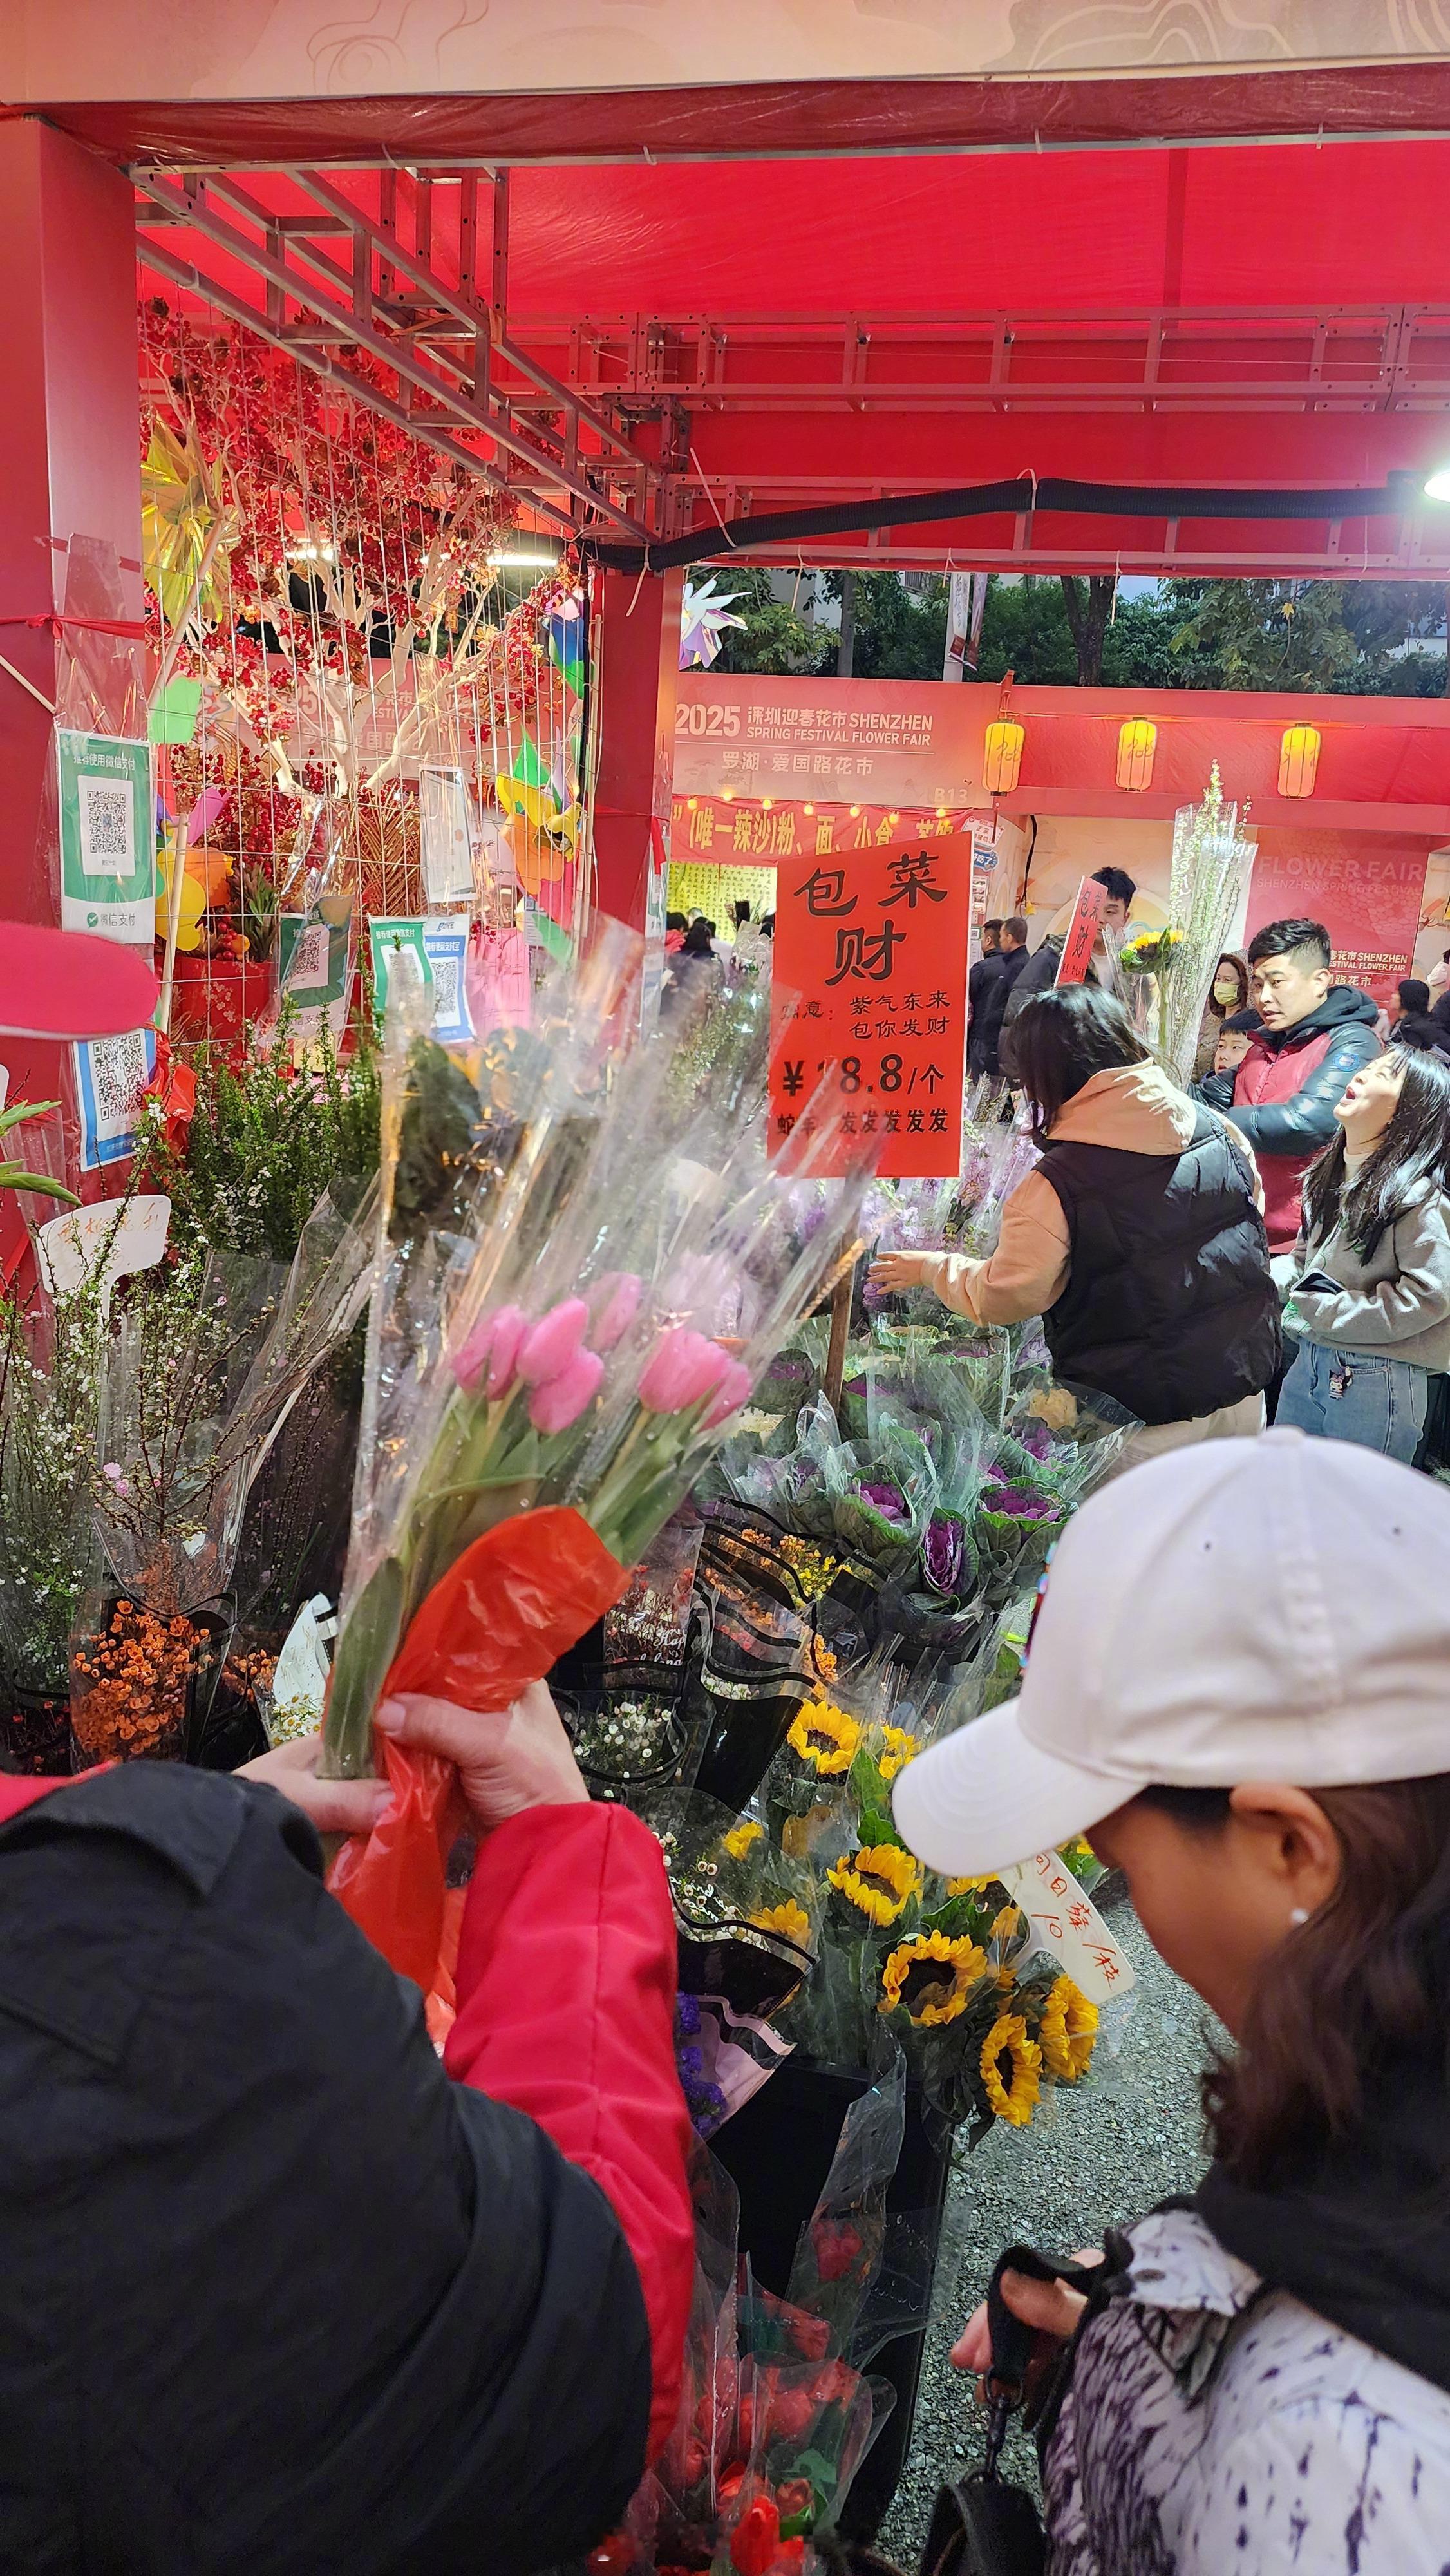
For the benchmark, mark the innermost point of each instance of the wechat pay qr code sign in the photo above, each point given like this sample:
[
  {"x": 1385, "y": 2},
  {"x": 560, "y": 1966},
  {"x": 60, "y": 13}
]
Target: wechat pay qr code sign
[{"x": 107, "y": 837}]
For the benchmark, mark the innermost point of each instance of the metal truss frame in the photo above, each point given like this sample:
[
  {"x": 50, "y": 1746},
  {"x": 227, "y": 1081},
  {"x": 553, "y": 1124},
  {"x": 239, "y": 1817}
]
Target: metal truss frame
[
  {"x": 334, "y": 277},
  {"x": 1285, "y": 358},
  {"x": 587, "y": 424}
]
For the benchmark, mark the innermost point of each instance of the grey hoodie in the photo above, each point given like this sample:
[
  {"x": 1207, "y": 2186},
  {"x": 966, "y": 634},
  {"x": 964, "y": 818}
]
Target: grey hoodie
[{"x": 1396, "y": 1304}]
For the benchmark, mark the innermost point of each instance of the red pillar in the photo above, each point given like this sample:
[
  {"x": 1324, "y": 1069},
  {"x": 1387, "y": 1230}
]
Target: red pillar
[
  {"x": 68, "y": 467},
  {"x": 637, "y": 662}
]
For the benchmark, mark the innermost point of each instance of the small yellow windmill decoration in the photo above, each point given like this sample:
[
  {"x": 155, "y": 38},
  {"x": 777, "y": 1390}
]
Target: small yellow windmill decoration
[{"x": 187, "y": 524}]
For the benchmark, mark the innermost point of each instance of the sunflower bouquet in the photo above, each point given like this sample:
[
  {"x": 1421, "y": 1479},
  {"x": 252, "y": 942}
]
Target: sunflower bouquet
[
  {"x": 1150, "y": 952},
  {"x": 949, "y": 1966}
]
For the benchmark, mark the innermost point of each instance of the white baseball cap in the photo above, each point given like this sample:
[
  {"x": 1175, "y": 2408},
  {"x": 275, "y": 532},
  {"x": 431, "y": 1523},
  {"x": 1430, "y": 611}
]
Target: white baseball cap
[{"x": 1270, "y": 1609}]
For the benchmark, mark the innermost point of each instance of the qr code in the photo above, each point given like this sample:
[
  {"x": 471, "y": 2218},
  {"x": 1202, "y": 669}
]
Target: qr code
[
  {"x": 445, "y": 989},
  {"x": 307, "y": 971},
  {"x": 118, "y": 1070},
  {"x": 107, "y": 828}
]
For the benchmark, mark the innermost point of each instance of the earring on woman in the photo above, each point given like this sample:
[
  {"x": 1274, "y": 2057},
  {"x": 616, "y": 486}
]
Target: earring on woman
[{"x": 1300, "y": 1914}]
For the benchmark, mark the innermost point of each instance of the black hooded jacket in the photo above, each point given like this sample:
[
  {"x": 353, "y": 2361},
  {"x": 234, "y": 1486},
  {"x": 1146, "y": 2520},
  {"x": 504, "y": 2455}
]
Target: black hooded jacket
[
  {"x": 276, "y": 2294},
  {"x": 1301, "y": 1123}
]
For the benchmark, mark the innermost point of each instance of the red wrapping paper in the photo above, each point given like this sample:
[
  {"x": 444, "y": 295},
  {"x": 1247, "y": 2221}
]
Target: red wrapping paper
[{"x": 499, "y": 1619}]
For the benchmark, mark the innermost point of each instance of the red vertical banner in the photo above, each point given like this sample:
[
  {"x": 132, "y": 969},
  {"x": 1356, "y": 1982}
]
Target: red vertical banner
[
  {"x": 1082, "y": 932},
  {"x": 870, "y": 974}
]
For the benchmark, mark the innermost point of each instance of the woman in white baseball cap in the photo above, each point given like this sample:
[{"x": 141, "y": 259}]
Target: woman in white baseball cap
[{"x": 1237, "y": 1688}]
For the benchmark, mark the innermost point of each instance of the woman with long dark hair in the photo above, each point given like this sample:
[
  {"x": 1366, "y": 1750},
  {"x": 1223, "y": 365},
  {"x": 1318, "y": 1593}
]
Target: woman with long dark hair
[
  {"x": 1370, "y": 1307},
  {"x": 1137, "y": 1237},
  {"x": 1236, "y": 1692}
]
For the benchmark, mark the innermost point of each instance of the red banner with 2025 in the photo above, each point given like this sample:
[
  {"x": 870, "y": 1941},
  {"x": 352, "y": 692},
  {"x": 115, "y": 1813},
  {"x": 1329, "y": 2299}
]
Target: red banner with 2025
[{"x": 870, "y": 975}]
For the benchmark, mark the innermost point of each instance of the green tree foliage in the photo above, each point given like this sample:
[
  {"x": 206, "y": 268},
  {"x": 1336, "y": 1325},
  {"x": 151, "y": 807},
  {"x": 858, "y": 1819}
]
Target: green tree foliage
[
  {"x": 901, "y": 634},
  {"x": 1335, "y": 635},
  {"x": 1056, "y": 631},
  {"x": 774, "y": 637}
]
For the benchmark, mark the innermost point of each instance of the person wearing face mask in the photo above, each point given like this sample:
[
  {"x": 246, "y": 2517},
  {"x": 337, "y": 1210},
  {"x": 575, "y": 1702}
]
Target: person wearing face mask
[
  {"x": 1236, "y": 1691},
  {"x": 1316, "y": 1034},
  {"x": 1228, "y": 995},
  {"x": 1370, "y": 1304}
]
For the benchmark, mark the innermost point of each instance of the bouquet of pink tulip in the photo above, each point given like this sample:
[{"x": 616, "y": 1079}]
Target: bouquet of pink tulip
[{"x": 535, "y": 1420}]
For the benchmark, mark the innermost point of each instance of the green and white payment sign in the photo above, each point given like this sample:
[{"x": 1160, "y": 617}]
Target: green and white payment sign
[{"x": 107, "y": 837}]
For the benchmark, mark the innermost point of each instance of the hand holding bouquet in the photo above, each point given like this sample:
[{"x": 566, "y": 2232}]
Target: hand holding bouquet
[{"x": 545, "y": 1386}]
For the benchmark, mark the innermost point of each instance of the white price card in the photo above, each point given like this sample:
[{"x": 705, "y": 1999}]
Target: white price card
[
  {"x": 1068, "y": 1925},
  {"x": 114, "y": 1236}
]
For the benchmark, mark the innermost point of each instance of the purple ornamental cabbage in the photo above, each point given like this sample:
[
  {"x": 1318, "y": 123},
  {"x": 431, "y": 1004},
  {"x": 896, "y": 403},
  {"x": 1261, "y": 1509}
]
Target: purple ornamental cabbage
[
  {"x": 1020, "y": 1505},
  {"x": 888, "y": 1500},
  {"x": 941, "y": 1552}
]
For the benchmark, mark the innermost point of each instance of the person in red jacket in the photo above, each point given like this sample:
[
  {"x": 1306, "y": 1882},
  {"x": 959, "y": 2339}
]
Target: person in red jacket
[
  {"x": 277, "y": 2290},
  {"x": 1315, "y": 1036}
]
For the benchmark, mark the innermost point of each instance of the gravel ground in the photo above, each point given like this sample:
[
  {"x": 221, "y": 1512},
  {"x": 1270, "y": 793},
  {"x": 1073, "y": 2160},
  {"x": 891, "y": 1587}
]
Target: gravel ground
[{"x": 1095, "y": 2160}]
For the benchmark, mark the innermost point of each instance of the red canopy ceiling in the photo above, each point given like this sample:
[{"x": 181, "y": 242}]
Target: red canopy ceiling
[
  {"x": 1244, "y": 226},
  {"x": 799, "y": 332}
]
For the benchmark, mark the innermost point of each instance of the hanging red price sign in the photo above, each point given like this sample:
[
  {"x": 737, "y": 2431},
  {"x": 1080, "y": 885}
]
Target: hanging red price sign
[
  {"x": 870, "y": 976},
  {"x": 1088, "y": 914}
]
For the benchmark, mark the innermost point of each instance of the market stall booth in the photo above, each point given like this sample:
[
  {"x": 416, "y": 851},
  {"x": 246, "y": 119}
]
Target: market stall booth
[{"x": 451, "y": 359}]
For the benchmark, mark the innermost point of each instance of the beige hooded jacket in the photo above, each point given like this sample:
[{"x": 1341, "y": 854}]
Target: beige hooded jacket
[{"x": 1135, "y": 1107}]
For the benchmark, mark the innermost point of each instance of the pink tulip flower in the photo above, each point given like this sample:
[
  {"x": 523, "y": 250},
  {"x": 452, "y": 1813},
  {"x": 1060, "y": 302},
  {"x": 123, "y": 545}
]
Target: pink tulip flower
[
  {"x": 619, "y": 1308},
  {"x": 548, "y": 1346},
  {"x": 470, "y": 1361},
  {"x": 682, "y": 1370},
  {"x": 509, "y": 1327},
  {"x": 735, "y": 1386},
  {"x": 560, "y": 1400}
]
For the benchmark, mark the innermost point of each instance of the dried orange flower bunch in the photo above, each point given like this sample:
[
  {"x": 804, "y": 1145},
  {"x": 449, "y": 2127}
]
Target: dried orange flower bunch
[{"x": 129, "y": 1684}]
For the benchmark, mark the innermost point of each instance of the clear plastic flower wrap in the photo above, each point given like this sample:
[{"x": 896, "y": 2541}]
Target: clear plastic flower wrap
[
  {"x": 872, "y": 1497},
  {"x": 543, "y": 1390},
  {"x": 777, "y": 2415},
  {"x": 1057, "y": 1444},
  {"x": 205, "y": 1363}
]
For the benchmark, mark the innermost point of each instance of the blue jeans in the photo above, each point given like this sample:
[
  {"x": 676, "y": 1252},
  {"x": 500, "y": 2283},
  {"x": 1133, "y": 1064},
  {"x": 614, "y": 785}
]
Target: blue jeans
[{"x": 1381, "y": 1407}]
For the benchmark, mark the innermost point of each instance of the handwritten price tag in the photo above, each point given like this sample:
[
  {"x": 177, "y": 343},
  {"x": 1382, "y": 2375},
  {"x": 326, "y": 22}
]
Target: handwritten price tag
[
  {"x": 1068, "y": 1924},
  {"x": 115, "y": 1236}
]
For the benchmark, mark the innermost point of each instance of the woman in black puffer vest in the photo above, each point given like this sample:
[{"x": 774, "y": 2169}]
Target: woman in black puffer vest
[{"x": 1137, "y": 1237}]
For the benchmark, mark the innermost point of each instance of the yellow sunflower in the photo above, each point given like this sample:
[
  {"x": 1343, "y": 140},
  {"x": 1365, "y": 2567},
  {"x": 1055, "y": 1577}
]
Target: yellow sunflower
[
  {"x": 790, "y": 1920},
  {"x": 880, "y": 1882},
  {"x": 824, "y": 1736},
  {"x": 737, "y": 1843},
  {"x": 1069, "y": 2031},
  {"x": 897, "y": 1749},
  {"x": 966, "y": 1886},
  {"x": 1013, "y": 2100},
  {"x": 932, "y": 1977}
]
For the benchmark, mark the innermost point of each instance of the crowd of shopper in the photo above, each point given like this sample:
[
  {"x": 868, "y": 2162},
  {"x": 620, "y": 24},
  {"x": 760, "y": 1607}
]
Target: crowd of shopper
[{"x": 1132, "y": 1235}]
